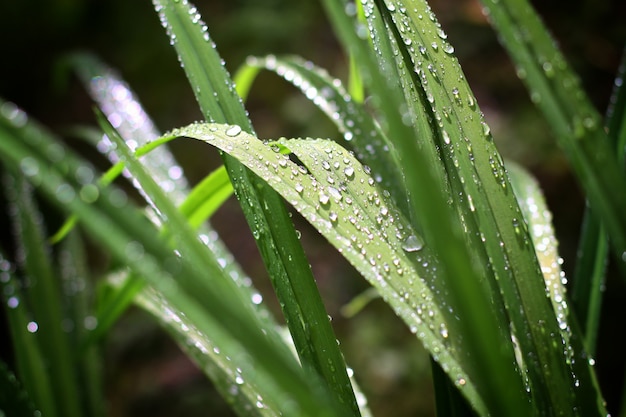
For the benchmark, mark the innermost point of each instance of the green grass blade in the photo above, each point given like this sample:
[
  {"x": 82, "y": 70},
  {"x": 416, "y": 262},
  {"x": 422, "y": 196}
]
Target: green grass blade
[
  {"x": 425, "y": 182},
  {"x": 593, "y": 246},
  {"x": 359, "y": 130},
  {"x": 219, "y": 309},
  {"x": 556, "y": 91},
  {"x": 448, "y": 399},
  {"x": 118, "y": 102},
  {"x": 43, "y": 296},
  {"x": 589, "y": 277},
  {"x": 78, "y": 293},
  {"x": 14, "y": 400},
  {"x": 241, "y": 395},
  {"x": 345, "y": 204},
  {"x": 487, "y": 211},
  {"x": 469, "y": 154},
  {"x": 207, "y": 197},
  {"x": 264, "y": 210},
  {"x": 30, "y": 363}
]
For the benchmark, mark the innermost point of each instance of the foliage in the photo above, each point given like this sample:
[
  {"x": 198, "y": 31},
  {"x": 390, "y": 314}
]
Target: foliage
[{"x": 415, "y": 196}]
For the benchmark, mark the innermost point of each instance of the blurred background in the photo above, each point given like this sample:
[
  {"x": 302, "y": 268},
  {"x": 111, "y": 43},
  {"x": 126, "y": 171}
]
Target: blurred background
[{"x": 146, "y": 375}]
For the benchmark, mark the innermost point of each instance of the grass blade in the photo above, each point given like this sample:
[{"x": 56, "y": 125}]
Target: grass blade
[
  {"x": 29, "y": 360},
  {"x": 408, "y": 33},
  {"x": 14, "y": 400},
  {"x": 556, "y": 90},
  {"x": 593, "y": 246},
  {"x": 78, "y": 293},
  {"x": 219, "y": 309},
  {"x": 117, "y": 101},
  {"x": 226, "y": 376},
  {"x": 424, "y": 182},
  {"x": 359, "y": 130},
  {"x": 344, "y": 203},
  {"x": 43, "y": 296},
  {"x": 264, "y": 210}
]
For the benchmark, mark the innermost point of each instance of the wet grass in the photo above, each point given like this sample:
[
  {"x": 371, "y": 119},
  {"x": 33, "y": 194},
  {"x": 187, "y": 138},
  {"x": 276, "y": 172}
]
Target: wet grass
[{"x": 414, "y": 195}]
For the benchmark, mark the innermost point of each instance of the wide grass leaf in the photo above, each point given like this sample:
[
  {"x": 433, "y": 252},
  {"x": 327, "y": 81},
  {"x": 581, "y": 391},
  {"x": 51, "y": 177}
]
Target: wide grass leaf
[
  {"x": 220, "y": 309},
  {"x": 336, "y": 194},
  {"x": 557, "y": 92},
  {"x": 264, "y": 210}
]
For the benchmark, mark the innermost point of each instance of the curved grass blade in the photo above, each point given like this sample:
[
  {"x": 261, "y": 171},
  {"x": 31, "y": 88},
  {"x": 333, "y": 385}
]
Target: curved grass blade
[
  {"x": 118, "y": 102},
  {"x": 220, "y": 309},
  {"x": 242, "y": 396},
  {"x": 459, "y": 264},
  {"x": 556, "y": 90},
  {"x": 359, "y": 130},
  {"x": 346, "y": 206},
  {"x": 538, "y": 219},
  {"x": 487, "y": 209},
  {"x": 265, "y": 212}
]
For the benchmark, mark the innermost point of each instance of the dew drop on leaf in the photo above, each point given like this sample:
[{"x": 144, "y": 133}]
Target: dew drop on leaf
[
  {"x": 233, "y": 131},
  {"x": 29, "y": 166},
  {"x": 412, "y": 244},
  {"x": 324, "y": 198},
  {"x": 32, "y": 327}
]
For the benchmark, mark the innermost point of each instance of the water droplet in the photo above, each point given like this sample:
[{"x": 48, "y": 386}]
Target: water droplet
[
  {"x": 89, "y": 193},
  {"x": 29, "y": 166},
  {"x": 548, "y": 68},
  {"x": 486, "y": 129},
  {"x": 324, "y": 198},
  {"x": 446, "y": 137},
  {"x": 65, "y": 193},
  {"x": 134, "y": 250},
  {"x": 13, "y": 302},
  {"x": 335, "y": 193},
  {"x": 90, "y": 322},
  {"x": 349, "y": 171},
  {"x": 443, "y": 330},
  {"x": 32, "y": 326},
  {"x": 233, "y": 131},
  {"x": 412, "y": 244},
  {"x": 14, "y": 114},
  {"x": 257, "y": 298}
]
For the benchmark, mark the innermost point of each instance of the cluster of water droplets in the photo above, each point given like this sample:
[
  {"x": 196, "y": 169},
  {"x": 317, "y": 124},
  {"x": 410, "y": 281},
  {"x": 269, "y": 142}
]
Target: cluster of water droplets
[
  {"x": 339, "y": 197},
  {"x": 546, "y": 245},
  {"x": 201, "y": 347},
  {"x": 373, "y": 230},
  {"x": 126, "y": 115}
]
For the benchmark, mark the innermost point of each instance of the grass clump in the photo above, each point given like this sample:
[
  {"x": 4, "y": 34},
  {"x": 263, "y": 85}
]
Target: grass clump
[{"x": 415, "y": 196}]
